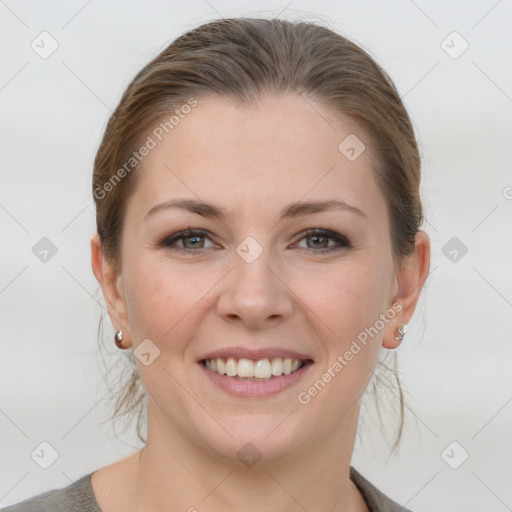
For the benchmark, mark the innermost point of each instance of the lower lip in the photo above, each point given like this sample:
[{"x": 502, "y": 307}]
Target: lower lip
[{"x": 255, "y": 389}]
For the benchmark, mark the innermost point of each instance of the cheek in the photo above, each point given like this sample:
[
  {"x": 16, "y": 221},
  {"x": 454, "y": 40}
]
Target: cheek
[
  {"x": 346, "y": 301},
  {"x": 346, "y": 297},
  {"x": 164, "y": 307},
  {"x": 162, "y": 301}
]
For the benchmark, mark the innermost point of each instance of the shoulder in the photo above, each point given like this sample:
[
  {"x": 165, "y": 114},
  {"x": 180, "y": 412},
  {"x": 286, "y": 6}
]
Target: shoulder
[
  {"x": 79, "y": 497},
  {"x": 76, "y": 497},
  {"x": 375, "y": 499}
]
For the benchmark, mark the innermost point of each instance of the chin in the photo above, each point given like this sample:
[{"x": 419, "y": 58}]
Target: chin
[{"x": 256, "y": 438}]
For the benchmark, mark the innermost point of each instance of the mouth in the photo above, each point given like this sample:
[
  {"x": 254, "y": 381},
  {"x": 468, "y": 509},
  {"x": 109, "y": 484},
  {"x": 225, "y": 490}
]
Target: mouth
[
  {"x": 249, "y": 370},
  {"x": 254, "y": 376}
]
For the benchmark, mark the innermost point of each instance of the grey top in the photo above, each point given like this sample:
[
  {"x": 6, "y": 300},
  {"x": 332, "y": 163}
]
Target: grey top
[{"x": 79, "y": 497}]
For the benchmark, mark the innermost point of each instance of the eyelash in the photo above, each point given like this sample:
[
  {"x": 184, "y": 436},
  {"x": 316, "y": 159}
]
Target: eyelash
[{"x": 189, "y": 233}]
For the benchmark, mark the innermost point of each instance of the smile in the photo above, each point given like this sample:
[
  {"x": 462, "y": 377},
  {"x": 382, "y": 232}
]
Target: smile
[
  {"x": 251, "y": 370},
  {"x": 255, "y": 377}
]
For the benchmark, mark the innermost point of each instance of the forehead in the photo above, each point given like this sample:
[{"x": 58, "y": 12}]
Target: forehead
[{"x": 279, "y": 151}]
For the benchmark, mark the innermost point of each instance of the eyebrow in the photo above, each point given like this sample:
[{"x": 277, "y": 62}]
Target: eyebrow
[{"x": 296, "y": 209}]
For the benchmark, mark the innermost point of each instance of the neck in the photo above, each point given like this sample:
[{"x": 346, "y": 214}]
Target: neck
[{"x": 174, "y": 474}]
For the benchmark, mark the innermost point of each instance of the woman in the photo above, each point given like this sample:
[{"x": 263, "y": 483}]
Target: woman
[{"x": 258, "y": 246}]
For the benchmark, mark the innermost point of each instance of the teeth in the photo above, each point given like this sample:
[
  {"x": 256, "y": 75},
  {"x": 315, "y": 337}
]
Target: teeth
[
  {"x": 231, "y": 367},
  {"x": 249, "y": 369},
  {"x": 245, "y": 368},
  {"x": 221, "y": 366},
  {"x": 277, "y": 366},
  {"x": 262, "y": 369}
]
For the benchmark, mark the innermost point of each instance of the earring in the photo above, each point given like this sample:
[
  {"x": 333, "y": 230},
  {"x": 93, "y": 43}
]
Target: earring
[
  {"x": 401, "y": 332},
  {"x": 118, "y": 338}
]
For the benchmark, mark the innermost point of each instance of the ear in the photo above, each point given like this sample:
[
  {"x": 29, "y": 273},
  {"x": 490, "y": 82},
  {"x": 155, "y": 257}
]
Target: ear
[
  {"x": 112, "y": 286},
  {"x": 409, "y": 282}
]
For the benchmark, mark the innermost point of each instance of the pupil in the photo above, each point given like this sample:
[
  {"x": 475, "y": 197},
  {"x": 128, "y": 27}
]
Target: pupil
[
  {"x": 317, "y": 237},
  {"x": 192, "y": 238}
]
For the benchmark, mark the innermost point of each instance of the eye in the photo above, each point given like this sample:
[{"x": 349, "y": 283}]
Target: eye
[
  {"x": 320, "y": 239},
  {"x": 191, "y": 240}
]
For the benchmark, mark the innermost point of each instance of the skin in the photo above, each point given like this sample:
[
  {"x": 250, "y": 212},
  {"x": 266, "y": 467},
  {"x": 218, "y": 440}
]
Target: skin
[{"x": 252, "y": 161}]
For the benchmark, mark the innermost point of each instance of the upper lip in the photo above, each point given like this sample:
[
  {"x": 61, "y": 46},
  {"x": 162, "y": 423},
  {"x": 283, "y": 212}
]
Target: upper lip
[{"x": 256, "y": 355}]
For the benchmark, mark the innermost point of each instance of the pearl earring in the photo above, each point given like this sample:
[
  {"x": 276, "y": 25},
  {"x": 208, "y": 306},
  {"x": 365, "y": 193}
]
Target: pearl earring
[
  {"x": 402, "y": 329},
  {"x": 118, "y": 338}
]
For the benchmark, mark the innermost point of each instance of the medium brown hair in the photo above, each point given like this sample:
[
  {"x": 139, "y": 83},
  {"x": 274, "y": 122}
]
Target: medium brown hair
[{"x": 245, "y": 59}]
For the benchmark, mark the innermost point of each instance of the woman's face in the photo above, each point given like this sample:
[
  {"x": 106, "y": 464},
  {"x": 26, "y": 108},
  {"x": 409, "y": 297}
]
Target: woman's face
[{"x": 252, "y": 282}]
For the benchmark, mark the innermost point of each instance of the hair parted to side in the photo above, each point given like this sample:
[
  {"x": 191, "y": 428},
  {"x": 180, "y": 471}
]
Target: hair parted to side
[{"x": 246, "y": 59}]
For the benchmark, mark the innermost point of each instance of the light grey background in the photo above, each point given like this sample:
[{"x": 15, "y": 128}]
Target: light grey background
[{"x": 456, "y": 358}]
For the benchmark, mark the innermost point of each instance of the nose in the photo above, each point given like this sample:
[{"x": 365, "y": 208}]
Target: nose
[{"x": 255, "y": 294}]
